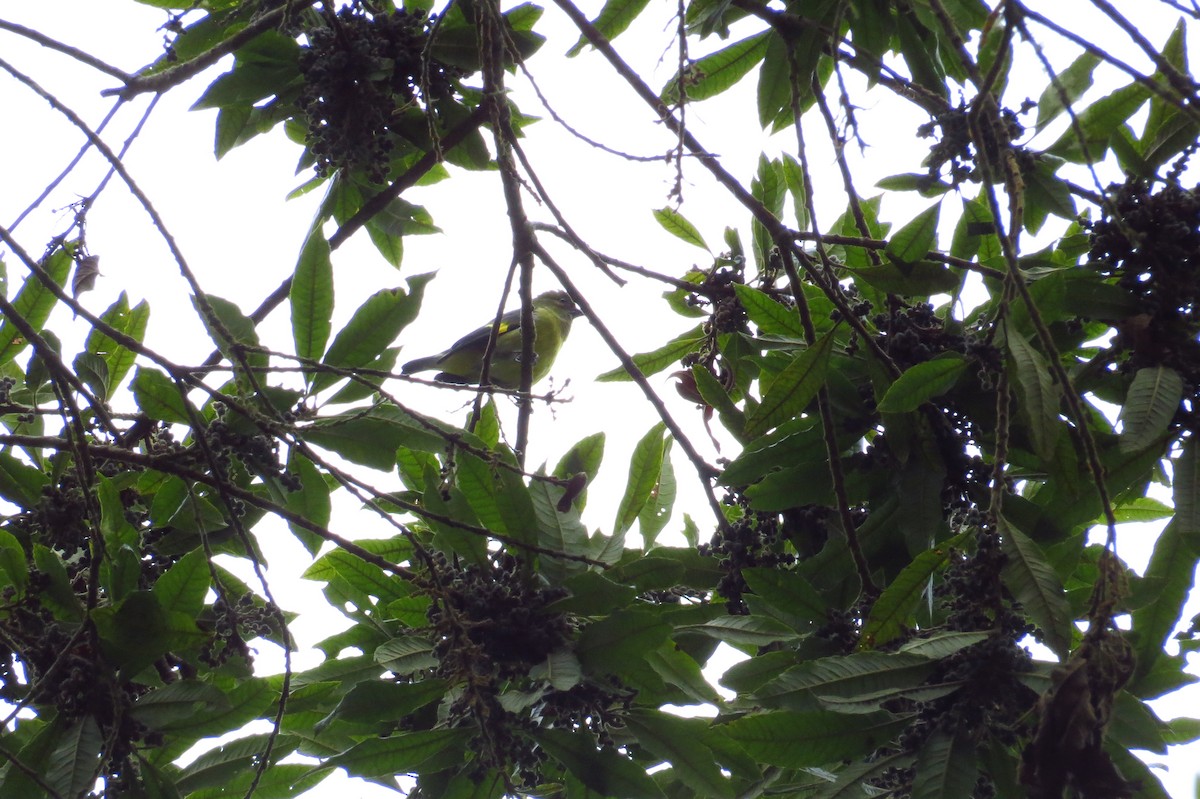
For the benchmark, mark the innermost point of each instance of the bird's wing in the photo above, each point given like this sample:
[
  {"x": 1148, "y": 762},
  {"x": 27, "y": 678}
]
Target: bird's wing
[{"x": 508, "y": 322}]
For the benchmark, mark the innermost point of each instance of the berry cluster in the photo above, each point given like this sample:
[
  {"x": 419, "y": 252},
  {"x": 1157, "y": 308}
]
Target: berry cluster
[
  {"x": 955, "y": 146},
  {"x": 491, "y": 626},
  {"x": 361, "y": 71},
  {"x": 1149, "y": 239},
  {"x": 753, "y": 539}
]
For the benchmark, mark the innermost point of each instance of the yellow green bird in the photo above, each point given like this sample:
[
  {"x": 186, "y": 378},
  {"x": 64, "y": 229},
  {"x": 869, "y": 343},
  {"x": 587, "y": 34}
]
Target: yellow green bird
[{"x": 553, "y": 312}]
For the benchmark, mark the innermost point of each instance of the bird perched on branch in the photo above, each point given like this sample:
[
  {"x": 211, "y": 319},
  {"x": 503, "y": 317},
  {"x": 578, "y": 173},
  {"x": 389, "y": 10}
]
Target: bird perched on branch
[{"x": 553, "y": 312}]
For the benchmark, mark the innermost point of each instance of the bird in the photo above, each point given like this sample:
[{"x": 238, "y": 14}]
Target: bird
[{"x": 462, "y": 362}]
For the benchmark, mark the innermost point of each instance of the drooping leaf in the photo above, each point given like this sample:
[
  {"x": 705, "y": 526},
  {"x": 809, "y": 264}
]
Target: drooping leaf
[
  {"x": 645, "y": 467},
  {"x": 924, "y": 381},
  {"x": 1031, "y": 579},
  {"x": 1150, "y": 406},
  {"x": 792, "y": 390},
  {"x": 911, "y": 243},
  {"x": 311, "y": 298},
  {"x": 713, "y": 74},
  {"x": 612, "y": 21}
]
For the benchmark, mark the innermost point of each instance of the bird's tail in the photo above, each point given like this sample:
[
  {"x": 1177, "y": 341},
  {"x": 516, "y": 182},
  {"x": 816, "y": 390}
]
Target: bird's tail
[{"x": 421, "y": 365}]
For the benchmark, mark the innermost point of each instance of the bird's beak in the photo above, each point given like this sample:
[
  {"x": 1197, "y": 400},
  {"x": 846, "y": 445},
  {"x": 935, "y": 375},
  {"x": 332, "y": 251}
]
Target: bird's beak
[{"x": 576, "y": 312}]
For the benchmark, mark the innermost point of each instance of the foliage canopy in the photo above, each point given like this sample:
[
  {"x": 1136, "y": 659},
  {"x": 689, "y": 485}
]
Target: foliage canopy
[{"x": 915, "y": 492}]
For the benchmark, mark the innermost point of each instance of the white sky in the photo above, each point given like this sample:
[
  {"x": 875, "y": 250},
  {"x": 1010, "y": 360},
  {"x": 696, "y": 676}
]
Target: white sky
[{"x": 242, "y": 239}]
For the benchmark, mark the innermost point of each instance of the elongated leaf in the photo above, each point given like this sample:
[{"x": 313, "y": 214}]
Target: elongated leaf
[
  {"x": 750, "y": 630},
  {"x": 1097, "y": 122},
  {"x": 20, "y": 483},
  {"x": 844, "y": 676},
  {"x": 182, "y": 587},
  {"x": 652, "y": 362},
  {"x": 1071, "y": 82},
  {"x": 159, "y": 397},
  {"x": 1185, "y": 492},
  {"x": 76, "y": 760},
  {"x": 792, "y": 390},
  {"x": 624, "y": 637},
  {"x": 557, "y": 531},
  {"x": 772, "y": 317},
  {"x": 791, "y": 739},
  {"x": 374, "y": 326},
  {"x": 678, "y": 226},
  {"x": 1160, "y": 596},
  {"x": 130, "y": 321},
  {"x": 922, "y": 382},
  {"x": 946, "y": 768},
  {"x": 1031, "y": 578},
  {"x": 604, "y": 771},
  {"x": 715, "y": 73},
  {"x": 311, "y": 297},
  {"x": 33, "y": 303},
  {"x": 680, "y": 742},
  {"x": 644, "y": 469},
  {"x": 612, "y": 21},
  {"x": 891, "y": 611},
  {"x": 398, "y": 754},
  {"x": 1039, "y": 394},
  {"x": 1150, "y": 406},
  {"x": 911, "y": 243},
  {"x": 657, "y": 511}
]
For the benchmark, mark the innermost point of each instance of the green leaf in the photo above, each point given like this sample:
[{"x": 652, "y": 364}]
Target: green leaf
[
  {"x": 624, "y": 637},
  {"x": 311, "y": 297},
  {"x": 791, "y": 739},
  {"x": 656, "y": 512},
  {"x": 399, "y": 753},
  {"x": 945, "y": 767},
  {"x": 612, "y": 21},
  {"x": 918, "y": 280},
  {"x": 680, "y": 742},
  {"x": 717, "y": 72},
  {"x": 182, "y": 587},
  {"x": 235, "y": 330},
  {"x": 800, "y": 687},
  {"x": 177, "y": 701},
  {"x": 20, "y": 483},
  {"x": 1159, "y": 598},
  {"x": 159, "y": 397},
  {"x": 604, "y": 771},
  {"x": 738, "y": 630},
  {"x": 583, "y": 458},
  {"x": 1150, "y": 405},
  {"x": 892, "y": 611},
  {"x": 653, "y": 362},
  {"x": 34, "y": 302},
  {"x": 1039, "y": 394},
  {"x": 76, "y": 760},
  {"x": 1071, "y": 82},
  {"x": 678, "y": 226},
  {"x": 311, "y": 502},
  {"x": 1097, "y": 123},
  {"x": 924, "y": 381},
  {"x": 373, "y": 327},
  {"x": 119, "y": 359},
  {"x": 912, "y": 243},
  {"x": 769, "y": 187},
  {"x": 645, "y": 467},
  {"x": 372, "y": 701},
  {"x": 1031, "y": 579},
  {"x": 792, "y": 390},
  {"x": 372, "y": 437},
  {"x": 771, "y": 317},
  {"x": 1185, "y": 491}
]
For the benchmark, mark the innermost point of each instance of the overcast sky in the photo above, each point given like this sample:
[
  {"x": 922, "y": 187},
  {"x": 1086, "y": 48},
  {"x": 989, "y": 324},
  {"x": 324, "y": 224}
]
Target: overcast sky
[{"x": 242, "y": 239}]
